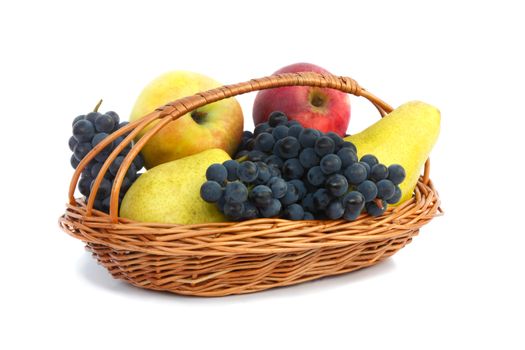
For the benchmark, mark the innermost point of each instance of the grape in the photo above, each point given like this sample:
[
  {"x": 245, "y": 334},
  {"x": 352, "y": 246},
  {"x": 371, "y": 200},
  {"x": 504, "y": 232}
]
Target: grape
[
  {"x": 95, "y": 169},
  {"x": 291, "y": 196},
  {"x": 104, "y": 123},
  {"x": 113, "y": 168},
  {"x": 330, "y": 163},
  {"x": 256, "y": 156},
  {"x": 132, "y": 172},
  {"x": 353, "y": 203},
  {"x": 299, "y": 185},
  {"x": 278, "y": 186},
  {"x": 368, "y": 189},
  {"x": 295, "y": 129},
  {"x": 211, "y": 191},
  {"x": 369, "y": 159},
  {"x": 263, "y": 127},
  {"x": 264, "y": 142},
  {"x": 247, "y": 171},
  {"x": 294, "y": 212},
  {"x": 337, "y": 185},
  {"x": 378, "y": 172},
  {"x": 249, "y": 144},
  {"x": 104, "y": 189},
  {"x": 347, "y": 156},
  {"x": 280, "y": 132},
  {"x": 233, "y": 210},
  {"x": 276, "y": 118},
  {"x": 126, "y": 183},
  {"x": 264, "y": 173},
  {"x": 287, "y": 147},
  {"x": 104, "y": 206},
  {"x": 72, "y": 143},
  {"x": 373, "y": 209},
  {"x": 247, "y": 134},
  {"x": 98, "y": 138},
  {"x": 83, "y": 130},
  {"x": 92, "y": 116},
  {"x": 396, "y": 174},
  {"x": 262, "y": 195},
  {"x": 355, "y": 173},
  {"x": 338, "y": 141},
  {"x": 271, "y": 210},
  {"x": 274, "y": 171},
  {"x": 308, "y": 202},
  {"x": 348, "y": 144},
  {"x": 307, "y": 137},
  {"x": 385, "y": 189},
  {"x": 115, "y": 117},
  {"x": 274, "y": 160},
  {"x": 80, "y": 117},
  {"x": 308, "y": 216},
  {"x": 308, "y": 158},
  {"x": 292, "y": 169},
  {"x": 217, "y": 172},
  {"x": 231, "y": 167},
  {"x": 324, "y": 145},
  {"x": 315, "y": 176},
  {"x": 335, "y": 209},
  {"x": 396, "y": 197},
  {"x": 97, "y": 204},
  {"x": 235, "y": 192},
  {"x": 81, "y": 150},
  {"x": 123, "y": 124},
  {"x": 321, "y": 199},
  {"x": 250, "y": 211},
  {"x": 138, "y": 162},
  {"x": 292, "y": 122},
  {"x": 367, "y": 167},
  {"x": 84, "y": 185},
  {"x": 74, "y": 161}
]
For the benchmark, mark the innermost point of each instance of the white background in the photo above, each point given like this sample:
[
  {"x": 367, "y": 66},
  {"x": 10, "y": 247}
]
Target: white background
[{"x": 458, "y": 285}]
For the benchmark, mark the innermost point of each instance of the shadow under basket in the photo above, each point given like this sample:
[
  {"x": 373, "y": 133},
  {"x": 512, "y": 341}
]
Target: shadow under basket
[{"x": 217, "y": 259}]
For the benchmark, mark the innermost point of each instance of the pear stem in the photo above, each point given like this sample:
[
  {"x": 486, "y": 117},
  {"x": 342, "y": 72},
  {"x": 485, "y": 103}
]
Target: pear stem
[{"x": 97, "y": 106}]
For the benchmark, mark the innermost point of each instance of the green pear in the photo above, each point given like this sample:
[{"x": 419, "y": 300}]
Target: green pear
[
  {"x": 405, "y": 136},
  {"x": 170, "y": 192}
]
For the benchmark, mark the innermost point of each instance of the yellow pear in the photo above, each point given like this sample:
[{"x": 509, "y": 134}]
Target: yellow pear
[
  {"x": 170, "y": 192},
  {"x": 405, "y": 136}
]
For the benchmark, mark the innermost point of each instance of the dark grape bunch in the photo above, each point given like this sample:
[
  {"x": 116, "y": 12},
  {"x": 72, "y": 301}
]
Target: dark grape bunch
[
  {"x": 88, "y": 131},
  {"x": 286, "y": 170}
]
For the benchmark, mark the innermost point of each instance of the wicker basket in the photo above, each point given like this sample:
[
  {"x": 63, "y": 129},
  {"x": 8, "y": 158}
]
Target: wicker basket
[{"x": 217, "y": 259}]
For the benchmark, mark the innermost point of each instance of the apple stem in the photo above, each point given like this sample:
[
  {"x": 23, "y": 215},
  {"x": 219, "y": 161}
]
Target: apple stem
[
  {"x": 242, "y": 159},
  {"x": 97, "y": 106}
]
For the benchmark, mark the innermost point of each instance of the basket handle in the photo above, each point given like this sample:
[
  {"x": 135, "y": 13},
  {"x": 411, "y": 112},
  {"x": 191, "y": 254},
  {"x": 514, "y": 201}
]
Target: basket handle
[{"x": 178, "y": 108}]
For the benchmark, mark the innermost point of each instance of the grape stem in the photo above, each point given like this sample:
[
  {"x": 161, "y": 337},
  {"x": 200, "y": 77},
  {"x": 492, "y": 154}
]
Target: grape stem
[
  {"x": 97, "y": 106},
  {"x": 242, "y": 159},
  {"x": 378, "y": 202}
]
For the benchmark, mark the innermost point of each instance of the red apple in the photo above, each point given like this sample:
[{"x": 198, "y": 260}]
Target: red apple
[{"x": 313, "y": 107}]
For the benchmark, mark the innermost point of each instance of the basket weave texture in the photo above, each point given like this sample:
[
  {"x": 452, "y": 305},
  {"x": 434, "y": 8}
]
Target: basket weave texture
[{"x": 217, "y": 259}]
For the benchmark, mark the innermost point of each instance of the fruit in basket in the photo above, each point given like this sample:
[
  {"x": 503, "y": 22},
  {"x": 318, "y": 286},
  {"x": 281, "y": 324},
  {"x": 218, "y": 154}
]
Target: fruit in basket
[
  {"x": 404, "y": 137},
  {"x": 300, "y": 173},
  {"x": 88, "y": 131},
  {"x": 216, "y": 125},
  {"x": 170, "y": 192},
  {"x": 317, "y": 108}
]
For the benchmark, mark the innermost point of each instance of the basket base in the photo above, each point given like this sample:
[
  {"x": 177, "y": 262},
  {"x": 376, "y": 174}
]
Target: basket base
[{"x": 214, "y": 276}]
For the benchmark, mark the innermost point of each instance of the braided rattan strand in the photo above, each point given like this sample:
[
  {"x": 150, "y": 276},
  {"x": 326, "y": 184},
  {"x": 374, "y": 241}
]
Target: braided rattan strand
[{"x": 233, "y": 258}]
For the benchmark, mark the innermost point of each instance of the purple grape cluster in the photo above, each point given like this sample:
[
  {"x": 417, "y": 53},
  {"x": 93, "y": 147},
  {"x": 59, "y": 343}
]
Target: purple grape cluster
[
  {"x": 88, "y": 131},
  {"x": 288, "y": 171}
]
